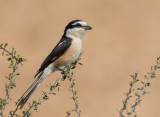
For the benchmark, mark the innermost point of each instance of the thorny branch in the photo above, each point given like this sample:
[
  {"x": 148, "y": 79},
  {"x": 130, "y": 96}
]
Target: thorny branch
[
  {"x": 9, "y": 53},
  {"x": 15, "y": 61},
  {"x": 34, "y": 105},
  {"x": 9, "y": 87},
  {"x": 146, "y": 84},
  {"x": 74, "y": 93},
  {"x": 44, "y": 97},
  {"x": 128, "y": 94}
]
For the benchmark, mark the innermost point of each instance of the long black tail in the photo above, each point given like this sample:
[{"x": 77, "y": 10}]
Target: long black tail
[{"x": 30, "y": 91}]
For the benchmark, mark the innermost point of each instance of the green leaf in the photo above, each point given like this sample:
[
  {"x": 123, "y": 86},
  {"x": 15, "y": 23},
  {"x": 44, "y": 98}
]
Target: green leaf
[
  {"x": 79, "y": 59},
  {"x": 136, "y": 94},
  {"x": 138, "y": 89},
  {"x": 12, "y": 50},
  {"x": 68, "y": 113},
  {"x": 9, "y": 58},
  {"x": 148, "y": 84},
  {"x": 18, "y": 115},
  {"x": 33, "y": 101},
  {"x": 6, "y": 44},
  {"x": 17, "y": 74},
  {"x": 158, "y": 58},
  {"x": 24, "y": 112},
  {"x": 2, "y": 53},
  {"x": 80, "y": 63},
  {"x": 10, "y": 112},
  {"x": 58, "y": 89},
  {"x": 22, "y": 59},
  {"x": 10, "y": 75},
  {"x": 142, "y": 88},
  {"x": 6, "y": 76},
  {"x": 1, "y": 44},
  {"x": 133, "y": 89}
]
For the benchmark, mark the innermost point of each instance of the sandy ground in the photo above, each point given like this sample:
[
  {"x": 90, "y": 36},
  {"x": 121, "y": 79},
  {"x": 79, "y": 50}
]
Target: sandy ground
[{"x": 125, "y": 39}]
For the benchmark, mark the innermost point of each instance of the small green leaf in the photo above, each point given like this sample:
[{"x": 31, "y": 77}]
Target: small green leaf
[
  {"x": 148, "y": 84},
  {"x": 2, "y": 53},
  {"x": 18, "y": 115},
  {"x": 12, "y": 50},
  {"x": 158, "y": 67},
  {"x": 80, "y": 63},
  {"x": 17, "y": 74},
  {"x": 10, "y": 113},
  {"x": 142, "y": 88},
  {"x": 158, "y": 58},
  {"x": 68, "y": 113},
  {"x": 133, "y": 89},
  {"x": 58, "y": 89},
  {"x": 24, "y": 112},
  {"x": 22, "y": 59},
  {"x": 138, "y": 89},
  {"x": 136, "y": 94},
  {"x": 79, "y": 59},
  {"x": 54, "y": 93},
  {"x": 33, "y": 101},
  {"x": 1, "y": 44},
  {"x": 6, "y": 44},
  {"x": 9, "y": 58},
  {"x": 6, "y": 76},
  {"x": 10, "y": 75}
]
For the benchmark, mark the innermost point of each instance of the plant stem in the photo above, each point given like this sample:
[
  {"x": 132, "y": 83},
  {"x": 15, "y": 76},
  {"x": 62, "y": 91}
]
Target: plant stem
[{"x": 74, "y": 93}]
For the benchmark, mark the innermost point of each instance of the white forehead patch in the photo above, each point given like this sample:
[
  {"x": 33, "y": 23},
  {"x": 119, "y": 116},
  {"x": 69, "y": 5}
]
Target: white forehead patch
[{"x": 80, "y": 22}]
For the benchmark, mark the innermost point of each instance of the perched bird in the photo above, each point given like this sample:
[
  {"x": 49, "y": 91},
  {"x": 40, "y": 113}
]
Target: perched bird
[{"x": 67, "y": 51}]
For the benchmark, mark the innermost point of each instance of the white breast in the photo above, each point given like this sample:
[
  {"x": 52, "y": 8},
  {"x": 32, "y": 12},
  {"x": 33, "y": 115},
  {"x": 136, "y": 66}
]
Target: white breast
[
  {"x": 70, "y": 56},
  {"x": 77, "y": 45}
]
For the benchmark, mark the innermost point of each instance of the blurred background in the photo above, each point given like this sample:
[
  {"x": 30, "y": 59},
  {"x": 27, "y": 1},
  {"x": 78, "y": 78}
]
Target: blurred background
[{"x": 125, "y": 39}]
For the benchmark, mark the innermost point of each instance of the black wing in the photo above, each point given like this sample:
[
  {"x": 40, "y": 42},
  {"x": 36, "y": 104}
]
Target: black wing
[{"x": 60, "y": 48}]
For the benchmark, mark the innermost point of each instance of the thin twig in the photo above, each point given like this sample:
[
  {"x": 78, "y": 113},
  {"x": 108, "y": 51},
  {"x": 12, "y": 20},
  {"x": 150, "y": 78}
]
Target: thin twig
[
  {"x": 34, "y": 105},
  {"x": 140, "y": 91},
  {"x": 10, "y": 78},
  {"x": 143, "y": 91},
  {"x": 128, "y": 94},
  {"x": 74, "y": 93},
  {"x": 9, "y": 53}
]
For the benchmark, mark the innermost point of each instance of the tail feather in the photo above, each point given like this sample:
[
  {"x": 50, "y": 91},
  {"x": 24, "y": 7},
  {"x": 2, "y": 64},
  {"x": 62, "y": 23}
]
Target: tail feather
[
  {"x": 45, "y": 73},
  {"x": 30, "y": 91}
]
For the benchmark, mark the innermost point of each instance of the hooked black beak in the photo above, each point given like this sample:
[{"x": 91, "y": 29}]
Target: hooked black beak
[{"x": 88, "y": 27}]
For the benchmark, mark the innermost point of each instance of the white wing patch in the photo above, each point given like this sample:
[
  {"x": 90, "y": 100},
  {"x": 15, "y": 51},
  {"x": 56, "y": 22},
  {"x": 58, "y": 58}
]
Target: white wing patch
[
  {"x": 61, "y": 43},
  {"x": 54, "y": 58}
]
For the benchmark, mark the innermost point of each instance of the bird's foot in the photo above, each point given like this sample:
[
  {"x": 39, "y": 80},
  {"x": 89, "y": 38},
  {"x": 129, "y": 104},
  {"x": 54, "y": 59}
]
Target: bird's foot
[
  {"x": 74, "y": 65},
  {"x": 63, "y": 75}
]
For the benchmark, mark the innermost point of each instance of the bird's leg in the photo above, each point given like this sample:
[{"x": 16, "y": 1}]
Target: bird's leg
[
  {"x": 63, "y": 75},
  {"x": 74, "y": 65}
]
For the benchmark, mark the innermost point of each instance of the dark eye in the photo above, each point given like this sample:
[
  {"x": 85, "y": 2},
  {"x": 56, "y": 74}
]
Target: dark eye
[{"x": 78, "y": 24}]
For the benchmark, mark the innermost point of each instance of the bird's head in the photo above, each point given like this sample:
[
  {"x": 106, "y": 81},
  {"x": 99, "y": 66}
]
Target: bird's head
[{"x": 76, "y": 29}]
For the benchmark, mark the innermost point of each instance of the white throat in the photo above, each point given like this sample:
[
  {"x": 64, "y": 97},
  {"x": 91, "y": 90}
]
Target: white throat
[{"x": 75, "y": 33}]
